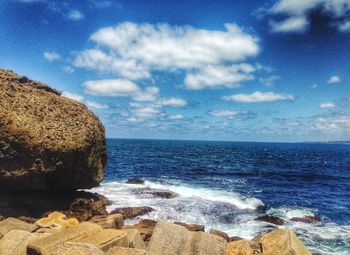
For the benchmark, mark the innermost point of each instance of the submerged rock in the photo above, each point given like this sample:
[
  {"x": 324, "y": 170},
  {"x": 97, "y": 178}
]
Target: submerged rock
[
  {"x": 271, "y": 219},
  {"x": 132, "y": 212},
  {"x": 47, "y": 142},
  {"x": 154, "y": 193},
  {"x": 135, "y": 181},
  {"x": 306, "y": 219}
]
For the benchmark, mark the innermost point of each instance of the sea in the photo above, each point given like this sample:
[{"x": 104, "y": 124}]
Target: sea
[{"x": 227, "y": 185}]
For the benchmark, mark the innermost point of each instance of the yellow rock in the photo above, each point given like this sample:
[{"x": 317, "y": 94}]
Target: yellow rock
[
  {"x": 126, "y": 251},
  {"x": 57, "y": 220},
  {"x": 278, "y": 242}
]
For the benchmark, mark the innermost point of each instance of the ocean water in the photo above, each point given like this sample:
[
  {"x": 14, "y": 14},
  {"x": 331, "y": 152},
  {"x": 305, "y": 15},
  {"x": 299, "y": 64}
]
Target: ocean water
[{"x": 226, "y": 185}]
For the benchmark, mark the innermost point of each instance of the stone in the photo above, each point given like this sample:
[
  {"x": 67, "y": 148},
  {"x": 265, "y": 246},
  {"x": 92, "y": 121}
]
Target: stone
[
  {"x": 148, "y": 193},
  {"x": 106, "y": 239},
  {"x": 70, "y": 248},
  {"x": 47, "y": 244},
  {"x": 271, "y": 219},
  {"x": 132, "y": 212},
  {"x": 220, "y": 233},
  {"x": 146, "y": 228},
  {"x": 126, "y": 251},
  {"x": 307, "y": 219},
  {"x": 192, "y": 227},
  {"x": 15, "y": 242},
  {"x": 235, "y": 238},
  {"x": 134, "y": 239},
  {"x": 14, "y": 224},
  {"x": 56, "y": 220},
  {"x": 47, "y": 141},
  {"x": 113, "y": 220},
  {"x": 282, "y": 241},
  {"x": 135, "y": 181},
  {"x": 172, "y": 239}
]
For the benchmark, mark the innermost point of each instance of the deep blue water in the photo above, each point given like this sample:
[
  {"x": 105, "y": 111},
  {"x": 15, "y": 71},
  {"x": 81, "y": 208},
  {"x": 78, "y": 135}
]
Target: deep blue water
[{"x": 243, "y": 180}]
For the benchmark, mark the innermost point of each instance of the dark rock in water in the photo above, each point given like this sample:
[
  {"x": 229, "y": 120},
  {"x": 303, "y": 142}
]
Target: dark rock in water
[
  {"x": 220, "y": 233},
  {"x": 306, "y": 219},
  {"x": 192, "y": 227},
  {"x": 47, "y": 142},
  {"x": 271, "y": 219},
  {"x": 32, "y": 205},
  {"x": 154, "y": 193},
  {"x": 132, "y": 212},
  {"x": 135, "y": 181}
]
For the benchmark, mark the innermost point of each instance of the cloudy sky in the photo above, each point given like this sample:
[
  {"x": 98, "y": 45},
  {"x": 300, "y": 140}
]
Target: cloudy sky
[{"x": 274, "y": 70}]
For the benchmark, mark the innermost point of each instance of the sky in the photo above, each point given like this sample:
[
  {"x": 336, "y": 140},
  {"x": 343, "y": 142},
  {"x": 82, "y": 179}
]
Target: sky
[{"x": 238, "y": 70}]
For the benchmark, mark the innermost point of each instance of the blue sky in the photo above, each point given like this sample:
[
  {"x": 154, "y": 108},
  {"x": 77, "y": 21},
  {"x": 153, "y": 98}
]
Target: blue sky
[{"x": 213, "y": 70}]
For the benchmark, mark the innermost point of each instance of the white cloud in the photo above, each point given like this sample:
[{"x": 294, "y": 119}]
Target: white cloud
[
  {"x": 334, "y": 79},
  {"x": 219, "y": 76},
  {"x": 96, "y": 105},
  {"x": 173, "y": 101},
  {"x": 51, "y": 56},
  {"x": 332, "y": 124},
  {"x": 298, "y": 12},
  {"x": 133, "y": 50},
  {"x": 75, "y": 15},
  {"x": 68, "y": 69},
  {"x": 258, "y": 97},
  {"x": 224, "y": 113},
  {"x": 327, "y": 105},
  {"x": 176, "y": 117},
  {"x": 150, "y": 94},
  {"x": 111, "y": 87},
  {"x": 73, "y": 96}
]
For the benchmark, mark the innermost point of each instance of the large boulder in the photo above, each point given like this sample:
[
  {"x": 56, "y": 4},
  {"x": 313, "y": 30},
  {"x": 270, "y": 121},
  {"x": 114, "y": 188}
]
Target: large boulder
[{"x": 47, "y": 141}]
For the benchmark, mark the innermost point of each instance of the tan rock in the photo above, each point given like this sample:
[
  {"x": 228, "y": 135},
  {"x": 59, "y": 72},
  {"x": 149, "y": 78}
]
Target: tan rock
[
  {"x": 134, "y": 239},
  {"x": 126, "y": 251},
  {"x": 56, "y": 220},
  {"x": 46, "y": 245},
  {"x": 14, "y": 224},
  {"x": 145, "y": 227},
  {"x": 106, "y": 239},
  {"x": 47, "y": 141},
  {"x": 15, "y": 242},
  {"x": 109, "y": 221},
  {"x": 192, "y": 227},
  {"x": 220, "y": 233},
  {"x": 172, "y": 239},
  {"x": 279, "y": 242},
  {"x": 70, "y": 248}
]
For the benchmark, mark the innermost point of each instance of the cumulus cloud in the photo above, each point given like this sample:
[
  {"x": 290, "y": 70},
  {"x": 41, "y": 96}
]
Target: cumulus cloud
[
  {"x": 331, "y": 124},
  {"x": 73, "y": 96},
  {"x": 258, "y": 97},
  {"x": 327, "y": 105},
  {"x": 96, "y": 105},
  {"x": 75, "y": 15},
  {"x": 297, "y": 14},
  {"x": 173, "y": 101},
  {"x": 117, "y": 87},
  {"x": 134, "y": 51},
  {"x": 219, "y": 76},
  {"x": 149, "y": 94},
  {"x": 52, "y": 56},
  {"x": 334, "y": 79},
  {"x": 68, "y": 69},
  {"x": 224, "y": 113},
  {"x": 176, "y": 117}
]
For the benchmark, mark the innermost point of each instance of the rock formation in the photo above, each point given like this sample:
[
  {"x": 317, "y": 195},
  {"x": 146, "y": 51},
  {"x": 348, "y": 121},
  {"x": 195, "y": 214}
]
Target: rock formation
[{"x": 47, "y": 142}]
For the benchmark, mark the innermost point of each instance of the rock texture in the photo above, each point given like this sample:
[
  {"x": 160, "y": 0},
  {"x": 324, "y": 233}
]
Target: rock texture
[
  {"x": 47, "y": 142},
  {"x": 132, "y": 212}
]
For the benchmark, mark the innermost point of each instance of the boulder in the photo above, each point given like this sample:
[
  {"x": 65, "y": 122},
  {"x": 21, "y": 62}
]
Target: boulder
[
  {"x": 134, "y": 239},
  {"x": 135, "y": 181},
  {"x": 14, "y": 224},
  {"x": 220, "y": 233},
  {"x": 271, "y": 219},
  {"x": 47, "y": 141},
  {"x": 146, "y": 228},
  {"x": 126, "y": 251},
  {"x": 191, "y": 227},
  {"x": 148, "y": 193},
  {"x": 109, "y": 221},
  {"x": 282, "y": 241},
  {"x": 48, "y": 244},
  {"x": 132, "y": 212},
  {"x": 172, "y": 239},
  {"x": 307, "y": 219},
  {"x": 70, "y": 248},
  {"x": 15, "y": 242},
  {"x": 56, "y": 220}
]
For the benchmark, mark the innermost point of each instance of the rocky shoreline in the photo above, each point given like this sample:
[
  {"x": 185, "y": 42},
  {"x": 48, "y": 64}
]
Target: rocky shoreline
[{"x": 52, "y": 146}]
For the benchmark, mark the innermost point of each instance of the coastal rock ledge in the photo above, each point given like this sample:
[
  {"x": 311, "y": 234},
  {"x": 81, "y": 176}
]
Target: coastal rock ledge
[{"x": 47, "y": 141}]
